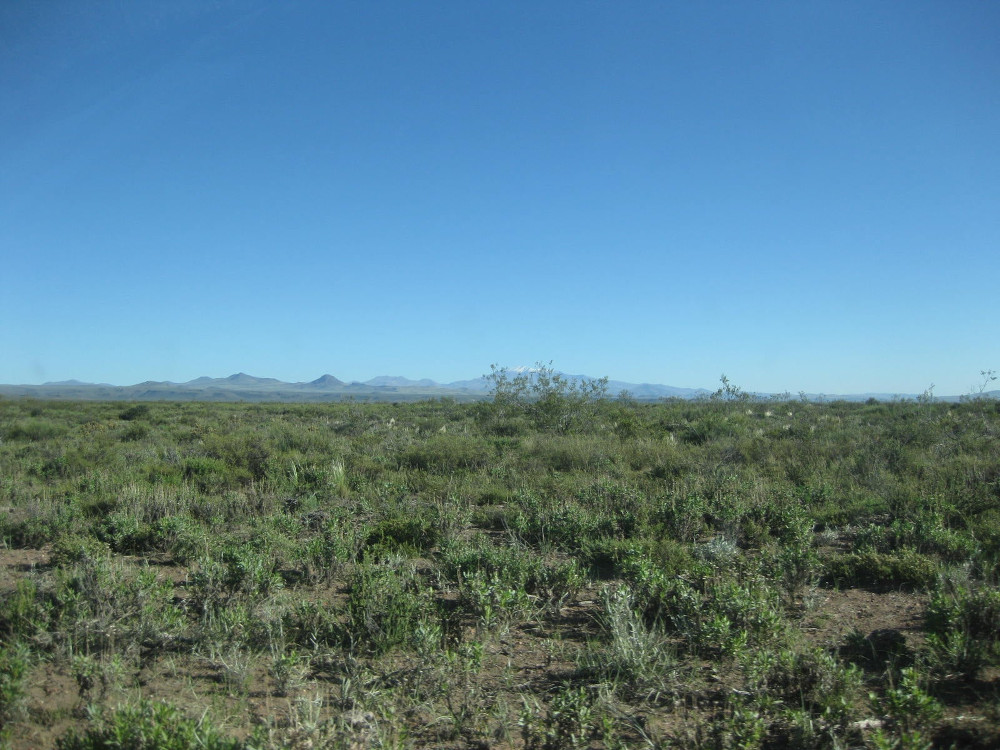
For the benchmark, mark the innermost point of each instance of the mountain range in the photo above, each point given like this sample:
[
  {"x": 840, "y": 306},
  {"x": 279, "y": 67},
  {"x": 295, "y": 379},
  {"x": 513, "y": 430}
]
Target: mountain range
[{"x": 243, "y": 387}]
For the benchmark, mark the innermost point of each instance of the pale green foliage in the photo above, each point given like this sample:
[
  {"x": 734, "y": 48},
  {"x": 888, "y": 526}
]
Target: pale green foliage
[
  {"x": 548, "y": 400},
  {"x": 635, "y": 654}
]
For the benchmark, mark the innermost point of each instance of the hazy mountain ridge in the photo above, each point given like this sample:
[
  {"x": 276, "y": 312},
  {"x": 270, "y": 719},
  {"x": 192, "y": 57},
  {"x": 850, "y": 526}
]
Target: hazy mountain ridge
[{"x": 243, "y": 387}]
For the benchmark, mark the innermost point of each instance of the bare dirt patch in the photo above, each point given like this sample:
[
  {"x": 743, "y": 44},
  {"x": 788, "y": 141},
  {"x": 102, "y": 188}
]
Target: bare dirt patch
[{"x": 838, "y": 613}]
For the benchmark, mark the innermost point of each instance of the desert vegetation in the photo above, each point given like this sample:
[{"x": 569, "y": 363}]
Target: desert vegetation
[{"x": 551, "y": 568}]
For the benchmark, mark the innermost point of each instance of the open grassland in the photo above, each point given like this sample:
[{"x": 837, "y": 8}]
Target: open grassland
[{"x": 548, "y": 572}]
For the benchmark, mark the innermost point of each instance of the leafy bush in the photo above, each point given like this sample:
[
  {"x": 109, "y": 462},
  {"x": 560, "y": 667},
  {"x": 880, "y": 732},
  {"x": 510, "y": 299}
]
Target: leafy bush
[
  {"x": 69, "y": 549},
  {"x": 566, "y": 525},
  {"x": 926, "y": 534},
  {"x": 128, "y": 534},
  {"x": 30, "y": 532},
  {"x": 490, "y": 600},
  {"x": 550, "y": 401},
  {"x": 338, "y": 542},
  {"x": 244, "y": 452},
  {"x": 724, "y": 617}
]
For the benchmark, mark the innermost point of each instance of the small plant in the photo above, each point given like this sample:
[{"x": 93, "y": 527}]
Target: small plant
[
  {"x": 570, "y": 721},
  {"x": 288, "y": 670},
  {"x": 729, "y": 392},
  {"x": 743, "y": 726},
  {"x": 322, "y": 556},
  {"x": 494, "y": 603},
  {"x": 136, "y": 411},
  {"x": 88, "y": 673},
  {"x": 908, "y": 704},
  {"x": 403, "y": 533}
]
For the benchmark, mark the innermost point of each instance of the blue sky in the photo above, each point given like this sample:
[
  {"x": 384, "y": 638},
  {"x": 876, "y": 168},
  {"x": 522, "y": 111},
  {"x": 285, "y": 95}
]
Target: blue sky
[{"x": 801, "y": 195}]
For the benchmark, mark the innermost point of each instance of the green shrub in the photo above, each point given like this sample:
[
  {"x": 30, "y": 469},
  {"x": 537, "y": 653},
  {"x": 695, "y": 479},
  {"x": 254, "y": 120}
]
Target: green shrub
[
  {"x": 148, "y": 726},
  {"x": 183, "y": 537},
  {"x": 310, "y": 625},
  {"x": 100, "y": 606},
  {"x": 569, "y": 722},
  {"x": 491, "y": 601},
  {"x": 134, "y": 433},
  {"x": 879, "y": 650},
  {"x": 634, "y": 654},
  {"x": 908, "y": 703},
  {"x": 24, "y": 613},
  {"x": 338, "y": 542},
  {"x": 29, "y": 533},
  {"x": 547, "y": 399},
  {"x": 251, "y": 569},
  {"x": 810, "y": 678},
  {"x": 136, "y": 411},
  {"x": 723, "y": 617},
  {"x": 927, "y": 535},
  {"x": 15, "y": 658},
  {"x": 69, "y": 549},
  {"x": 244, "y": 453},
  {"x": 567, "y": 525},
  {"x": 386, "y": 602},
  {"x": 905, "y": 568},
  {"x": 211, "y": 475},
  {"x": 608, "y": 558},
  {"x": 447, "y": 454},
  {"x": 128, "y": 534},
  {"x": 681, "y": 516},
  {"x": 34, "y": 430},
  {"x": 963, "y": 626},
  {"x": 414, "y": 533}
]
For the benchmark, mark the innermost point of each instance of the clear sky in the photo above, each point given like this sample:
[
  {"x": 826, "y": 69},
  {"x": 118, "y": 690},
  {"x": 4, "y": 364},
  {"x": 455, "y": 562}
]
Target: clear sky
[{"x": 801, "y": 195}]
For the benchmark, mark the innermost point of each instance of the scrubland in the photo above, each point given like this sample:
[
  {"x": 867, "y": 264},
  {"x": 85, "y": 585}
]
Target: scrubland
[{"x": 547, "y": 569}]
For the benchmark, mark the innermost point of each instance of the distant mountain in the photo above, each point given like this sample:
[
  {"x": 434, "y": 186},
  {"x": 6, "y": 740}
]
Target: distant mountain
[
  {"x": 243, "y": 387},
  {"x": 476, "y": 385},
  {"x": 326, "y": 381},
  {"x": 641, "y": 391},
  {"x": 397, "y": 381},
  {"x": 241, "y": 378},
  {"x": 648, "y": 391}
]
